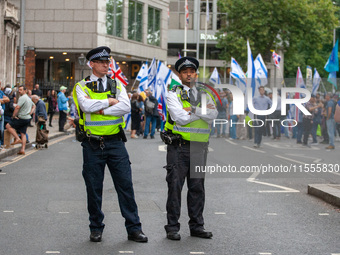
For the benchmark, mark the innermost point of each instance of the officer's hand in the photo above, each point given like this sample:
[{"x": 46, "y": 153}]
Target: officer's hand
[
  {"x": 211, "y": 106},
  {"x": 188, "y": 109},
  {"x": 113, "y": 101}
]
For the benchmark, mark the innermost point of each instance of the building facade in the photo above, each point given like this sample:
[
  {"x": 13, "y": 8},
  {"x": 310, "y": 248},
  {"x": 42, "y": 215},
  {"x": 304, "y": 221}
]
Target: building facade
[
  {"x": 196, "y": 34},
  {"x": 9, "y": 36},
  {"x": 59, "y": 33}
]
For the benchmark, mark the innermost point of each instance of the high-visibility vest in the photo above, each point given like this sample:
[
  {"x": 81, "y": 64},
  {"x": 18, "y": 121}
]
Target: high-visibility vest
[
  {"x": 98, "y": 124},
  {"x": 197, "y": 131}
]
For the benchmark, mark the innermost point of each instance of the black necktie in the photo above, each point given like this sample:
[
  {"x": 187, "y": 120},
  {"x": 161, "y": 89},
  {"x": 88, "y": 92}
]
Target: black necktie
[
  {"x": 101, "y": 87},
  {"x": 191, "y": 96}
]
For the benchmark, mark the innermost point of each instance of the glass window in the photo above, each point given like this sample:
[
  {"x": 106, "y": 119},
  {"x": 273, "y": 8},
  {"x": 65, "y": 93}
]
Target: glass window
[
  {"x": 135, "y": 31},
  {"x": 114, "y": 17},
  {"x": 154, "y": 26}
]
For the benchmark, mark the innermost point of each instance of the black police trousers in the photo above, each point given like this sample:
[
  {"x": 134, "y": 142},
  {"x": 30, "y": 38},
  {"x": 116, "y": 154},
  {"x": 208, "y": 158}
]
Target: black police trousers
[
  {"x": 115, "y": 156},
  {"x": 181, "y": 162}
]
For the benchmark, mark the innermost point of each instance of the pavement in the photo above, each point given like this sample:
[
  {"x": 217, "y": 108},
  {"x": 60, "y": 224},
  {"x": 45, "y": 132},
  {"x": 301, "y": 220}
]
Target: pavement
[
  {"x": 330, "y": 193},
  {"x": 31, "y": 131}
]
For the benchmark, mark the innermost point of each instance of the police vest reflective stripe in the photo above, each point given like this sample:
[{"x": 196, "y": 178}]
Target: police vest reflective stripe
[
  {"x": 197, "y": 131},
  {"x": 98, "y": 124}
]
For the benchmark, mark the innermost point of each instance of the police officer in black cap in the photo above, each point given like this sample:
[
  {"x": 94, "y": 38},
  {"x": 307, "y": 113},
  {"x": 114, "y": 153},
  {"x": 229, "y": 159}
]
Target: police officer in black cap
[
  {"x": 102, "y": 103},
  {"x": 187, "y": 127}
]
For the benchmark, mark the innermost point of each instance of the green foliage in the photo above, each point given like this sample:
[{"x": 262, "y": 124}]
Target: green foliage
[{"x": 302, "y": 29}]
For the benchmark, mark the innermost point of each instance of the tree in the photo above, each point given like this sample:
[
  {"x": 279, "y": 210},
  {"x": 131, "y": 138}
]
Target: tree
[{"x": 300, "y": 28}]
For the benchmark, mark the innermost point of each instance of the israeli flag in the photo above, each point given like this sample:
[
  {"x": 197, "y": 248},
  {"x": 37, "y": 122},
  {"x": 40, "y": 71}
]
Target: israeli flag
[
  {"x": 215, "y": 77},
  {"x": 261, "y": 73},
  {"x": 316, "y": 82},
  {"x": 238, "y": 74},
  {"x": 142, "y": 77}
]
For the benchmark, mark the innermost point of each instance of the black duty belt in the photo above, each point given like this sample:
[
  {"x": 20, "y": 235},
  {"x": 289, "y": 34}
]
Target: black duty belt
[{"x": 99, "y": 138}]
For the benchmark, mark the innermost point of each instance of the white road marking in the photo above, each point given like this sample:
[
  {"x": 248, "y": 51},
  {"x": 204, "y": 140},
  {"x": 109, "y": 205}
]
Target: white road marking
[
  {"x": 64, "y": 212},
  {"x": 126, "y": 252},
  {"x": 264, "y": 253},
  {"x": 289, "y": 159},
  {"x": 8, "y": 211},
  {"x": 162, "y": 147},
  {"x": 253, "y": 149},
  {"x": 227, "y": 140},
  {"x": 197, "y": 252},
  {"x": 220, "y": 213},
  {"x": 271, "y": 214},
  {"x": 290, "y": 146},
  {"x": 316, "y": 160},
  {"x": 323, "y": 214},
  {"x": 53, "y": 252},
  {"x": 282, "y": 188},
  {"x": 2, "y": 173}
]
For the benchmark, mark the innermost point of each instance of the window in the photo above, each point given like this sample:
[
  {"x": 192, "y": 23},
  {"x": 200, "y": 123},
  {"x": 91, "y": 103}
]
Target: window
[
  {"x": 135, "y": 30},
  {"x": 154, "y": 26},
  {"x": 114, "y": 17}
]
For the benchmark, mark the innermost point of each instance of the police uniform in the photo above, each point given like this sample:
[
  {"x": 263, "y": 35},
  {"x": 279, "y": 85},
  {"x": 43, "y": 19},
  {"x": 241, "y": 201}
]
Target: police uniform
[
  {"x": 101, "y": 126},
  {"x": 190, "y": 135}
]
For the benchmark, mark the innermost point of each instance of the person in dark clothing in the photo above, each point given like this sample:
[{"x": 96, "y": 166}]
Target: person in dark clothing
[
  {"x": 37, "y": 91},
  {"x": 135, "y": 115},
  {"x": 151, "y": 113},
  {"x": 52, "y": 104},
  {"x": 40, "y": 108}
]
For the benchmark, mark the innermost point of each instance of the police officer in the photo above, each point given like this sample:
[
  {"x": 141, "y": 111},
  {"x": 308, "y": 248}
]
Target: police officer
[
  {"x": 101, "y": 103},
  {"x": 189, "y": 129}
]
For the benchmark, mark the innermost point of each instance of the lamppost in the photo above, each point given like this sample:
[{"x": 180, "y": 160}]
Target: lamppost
[{"x": 82, "y": 61}]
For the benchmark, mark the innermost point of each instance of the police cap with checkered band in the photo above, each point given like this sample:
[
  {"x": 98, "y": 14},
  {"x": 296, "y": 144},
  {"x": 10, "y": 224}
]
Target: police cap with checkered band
[
  {"x": 186, "y": 62},
  {"x": 99, "y": 53}
]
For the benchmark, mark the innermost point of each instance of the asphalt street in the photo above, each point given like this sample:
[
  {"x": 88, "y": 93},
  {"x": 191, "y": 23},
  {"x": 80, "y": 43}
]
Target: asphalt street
[{"x": 43, "y": 201}]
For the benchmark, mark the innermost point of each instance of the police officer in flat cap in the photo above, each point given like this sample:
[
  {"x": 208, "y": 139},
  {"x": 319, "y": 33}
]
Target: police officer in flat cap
[
  {"x": 187, "y": 135},
  {"x": 102, "y": 103}
]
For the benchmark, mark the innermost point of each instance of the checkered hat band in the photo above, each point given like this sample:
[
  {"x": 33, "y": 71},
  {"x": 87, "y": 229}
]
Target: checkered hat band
[
  {"x": 100, "y": 55},
  {"x": 187, "y": 63}
]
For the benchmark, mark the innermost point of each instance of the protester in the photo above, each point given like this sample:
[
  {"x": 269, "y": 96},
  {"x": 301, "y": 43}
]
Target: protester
[
  {"x": 260, "y": 102},
  {"x": 52, "y": 104},
  {"x": 222, "y": 114},
  {"x": 9, "y": 106},
  {"x": 330, "y": 109},
  {"x": 151, "y": 113},
  {"x": 3, "y": 100},
  {"x": 101, "y": 104},
  {"x": 62, "y": 105},
  {"x": 40, "y": 108},
  {"x": 135, "y": 115},
  {"x": 37, "y": 91},
  {"x": 21, "y": 119}
]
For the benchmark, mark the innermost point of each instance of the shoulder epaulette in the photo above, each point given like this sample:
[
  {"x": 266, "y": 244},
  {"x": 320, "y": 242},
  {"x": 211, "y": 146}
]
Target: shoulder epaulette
[{"x": 174, "y": 88}]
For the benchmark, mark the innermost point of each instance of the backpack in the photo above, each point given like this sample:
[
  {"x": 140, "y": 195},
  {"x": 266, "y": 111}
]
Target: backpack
[{"x": 149, "y": 106}]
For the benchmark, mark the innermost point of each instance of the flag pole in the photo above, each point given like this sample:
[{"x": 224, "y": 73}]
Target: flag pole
[
  {"x": 323, "y": 85},
  {"x": 205, "y": 38},
  {"x": 185, "y": 28}
]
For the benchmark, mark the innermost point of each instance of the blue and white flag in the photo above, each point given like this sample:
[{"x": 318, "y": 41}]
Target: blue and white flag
[
  {"x": 161, "y": 92},
  {"x": 152, "y": 72},
  {"x": 316, "y": 82},
  {"x": 215, "y": 77},
  {"x": 261, "y": 73},
  {"x": 238, "y": 74},
  {"x": 250, "y": 70},
  {"x": 142, "y": 77}
]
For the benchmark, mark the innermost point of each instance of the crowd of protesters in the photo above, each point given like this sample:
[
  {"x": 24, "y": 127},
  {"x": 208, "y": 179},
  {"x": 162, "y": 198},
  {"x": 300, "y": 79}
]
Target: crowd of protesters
[{"x": 319, "y": 127}]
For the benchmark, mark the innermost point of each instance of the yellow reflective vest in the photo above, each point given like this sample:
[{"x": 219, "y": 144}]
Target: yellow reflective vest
[
  {"x": 197, "y": 131},
  {"x": 93, "y": 123}
]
